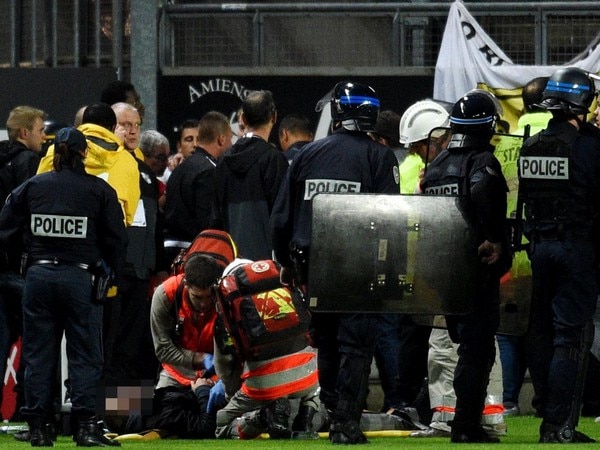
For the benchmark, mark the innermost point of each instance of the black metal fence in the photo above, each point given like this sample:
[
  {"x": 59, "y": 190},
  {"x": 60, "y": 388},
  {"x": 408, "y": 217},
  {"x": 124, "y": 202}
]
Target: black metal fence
[{"x": 314, "y": 37}]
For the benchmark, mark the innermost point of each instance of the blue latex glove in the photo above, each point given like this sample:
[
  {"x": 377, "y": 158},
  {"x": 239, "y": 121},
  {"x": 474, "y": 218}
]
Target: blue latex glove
[
  {"x": 208, "y": 362},
  {"x": 216, "y": 398}
]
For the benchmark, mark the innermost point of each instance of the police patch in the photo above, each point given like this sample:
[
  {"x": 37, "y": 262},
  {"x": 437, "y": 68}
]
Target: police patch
[
  {"x": 317, "y": 186},
  {"x": 446, "y": 189},
  {"x": 48, "y": 225},
  {"x": 544, "y": 167}
]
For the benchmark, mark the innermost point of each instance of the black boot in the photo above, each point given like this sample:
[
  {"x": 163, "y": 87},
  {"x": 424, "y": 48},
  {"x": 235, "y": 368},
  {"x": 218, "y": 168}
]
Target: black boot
[
  {"x": 347, "y": 433},
  {"x": 304, "y": 419},
  {"x": 91, "y": 435},
  {"x": 276, "y": 417},
  {"x": 39, "y": 435},
  {"x": 303, "y": 427},
  {"x": 563, "y": 434},
  {"x": 345, "y": 425},
  {"x": 471, "y": 435},
  {"x": 25, "y": 435}
]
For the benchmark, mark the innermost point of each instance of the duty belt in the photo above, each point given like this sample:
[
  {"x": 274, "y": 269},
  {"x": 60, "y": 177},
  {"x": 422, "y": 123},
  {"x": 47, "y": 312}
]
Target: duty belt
[{"x": 58, "y": 262}]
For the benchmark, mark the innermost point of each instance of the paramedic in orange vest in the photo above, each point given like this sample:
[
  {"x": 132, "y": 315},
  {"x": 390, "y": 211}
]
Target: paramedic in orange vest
[
  {"x": 258, "y": 391},
  {"x": 182, "y": 321}
]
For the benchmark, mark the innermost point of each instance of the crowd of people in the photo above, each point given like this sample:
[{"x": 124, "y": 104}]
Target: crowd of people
[{"x": 92, "y": 224}]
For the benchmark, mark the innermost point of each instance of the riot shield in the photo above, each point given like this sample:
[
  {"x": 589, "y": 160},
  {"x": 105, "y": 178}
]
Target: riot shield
[
  {"x": 412, "y": 254},
  {"x": 515, "y": 300}
]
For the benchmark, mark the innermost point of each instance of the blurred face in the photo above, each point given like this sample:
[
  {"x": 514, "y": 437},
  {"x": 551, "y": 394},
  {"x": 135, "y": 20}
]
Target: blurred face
[
  {"x": 34, "y": 138},
  {"x": 188, "y": 142},
  {"x": 438, "y": 144},
  {"x": 128, "y": 128},
  {"x": 429, "y": 152},
  {"x": 200, "y": 299},
  {"x": 158, "y": 160}
]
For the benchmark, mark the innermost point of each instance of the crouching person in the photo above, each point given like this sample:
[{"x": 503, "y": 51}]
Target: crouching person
[
  {"x": 182, "y": 321},
  {"x": 259, "y": 388}
]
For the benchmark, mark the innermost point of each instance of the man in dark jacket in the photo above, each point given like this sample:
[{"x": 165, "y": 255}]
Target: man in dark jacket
[
  {"x": 248, "y": 179},
  {"x": 19, "y": 159},
  {"x": 191, "y": 187},
  {"x": 294, "y": 133}
]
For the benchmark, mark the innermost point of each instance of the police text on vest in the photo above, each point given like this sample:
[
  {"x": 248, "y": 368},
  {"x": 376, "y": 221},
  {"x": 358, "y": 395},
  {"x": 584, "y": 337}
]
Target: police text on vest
[
  {"x": 544, "y": 167},
  {"x": 445, "y": 189},
  {"x": 59, "y": 226},
  {"x": 314, "y": 187}
]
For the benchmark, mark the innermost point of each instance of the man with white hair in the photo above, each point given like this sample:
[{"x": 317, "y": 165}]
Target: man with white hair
[{"x": 128, "y": 340}]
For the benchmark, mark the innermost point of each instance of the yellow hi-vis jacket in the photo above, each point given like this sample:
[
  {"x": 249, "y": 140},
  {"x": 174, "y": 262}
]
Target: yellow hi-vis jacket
[{"x": 107, "y": 159}]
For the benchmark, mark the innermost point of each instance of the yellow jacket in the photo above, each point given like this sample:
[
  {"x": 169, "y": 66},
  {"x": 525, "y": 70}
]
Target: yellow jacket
[
  {"x": 108, "y": 159},
  {"x": 409, "y": 173}
]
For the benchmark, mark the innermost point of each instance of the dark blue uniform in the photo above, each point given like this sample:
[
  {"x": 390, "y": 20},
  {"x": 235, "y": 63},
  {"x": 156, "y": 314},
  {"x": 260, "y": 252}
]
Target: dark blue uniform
[
  {"x": 342, "y": 162},
  {"x": 68, "y": 221},
  {"x": 468, "y": 170},
  {"x": 559, "y": 173}
]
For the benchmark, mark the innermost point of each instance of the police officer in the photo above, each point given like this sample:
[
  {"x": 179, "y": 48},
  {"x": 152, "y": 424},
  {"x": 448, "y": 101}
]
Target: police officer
[
  {"x": 68, "y": 221},
  {"x": 346, "y": 161},
  {"x": 467, "y": 169},
  {"x": 559, "y": 183}
]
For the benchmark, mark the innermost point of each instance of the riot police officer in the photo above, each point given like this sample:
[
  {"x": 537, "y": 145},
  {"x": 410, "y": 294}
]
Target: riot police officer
[
  {"x": 559, "y": 183},
  {"x": 346, "y": 161},
  {"x": 467, "y": 169},
  {"x": 68, "y": 221}
]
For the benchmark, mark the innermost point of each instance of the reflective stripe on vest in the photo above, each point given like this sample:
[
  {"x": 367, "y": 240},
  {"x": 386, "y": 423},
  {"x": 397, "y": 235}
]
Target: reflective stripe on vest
[
  {"x": 179, "y": 377},
  {"x": 492, "y": 414},
  {"x": 281, "y": 376}
]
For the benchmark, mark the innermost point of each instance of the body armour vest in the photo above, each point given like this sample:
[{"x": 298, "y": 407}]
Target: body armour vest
[
  {"x": 450, "y": 173},
  {"x": 546, "y": 185}
]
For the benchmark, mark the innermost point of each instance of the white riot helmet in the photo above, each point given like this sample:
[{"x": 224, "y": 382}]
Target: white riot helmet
[{"x": 419, "y": 119}]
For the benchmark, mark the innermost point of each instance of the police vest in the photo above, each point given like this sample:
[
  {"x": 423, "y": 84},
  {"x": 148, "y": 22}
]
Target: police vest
[
  {"x": 448, "y": 174},
  {"x": 545, "y": 182},
  {"x": 451, "y": 172}
]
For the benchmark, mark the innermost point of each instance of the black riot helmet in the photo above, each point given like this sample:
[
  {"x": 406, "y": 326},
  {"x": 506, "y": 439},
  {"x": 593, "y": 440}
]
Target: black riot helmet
[
  {"x": 51, "y": 127},
  {"x": 355, "y": 105},
  {"x": 570, "y": 90},
  {"x": 532, "y": 94},
  {"x": 475, "y": 113}
]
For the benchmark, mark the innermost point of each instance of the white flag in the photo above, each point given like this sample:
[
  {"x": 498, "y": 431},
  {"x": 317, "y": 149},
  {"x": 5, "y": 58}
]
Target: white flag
[{"x": 469, "y": 58}]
